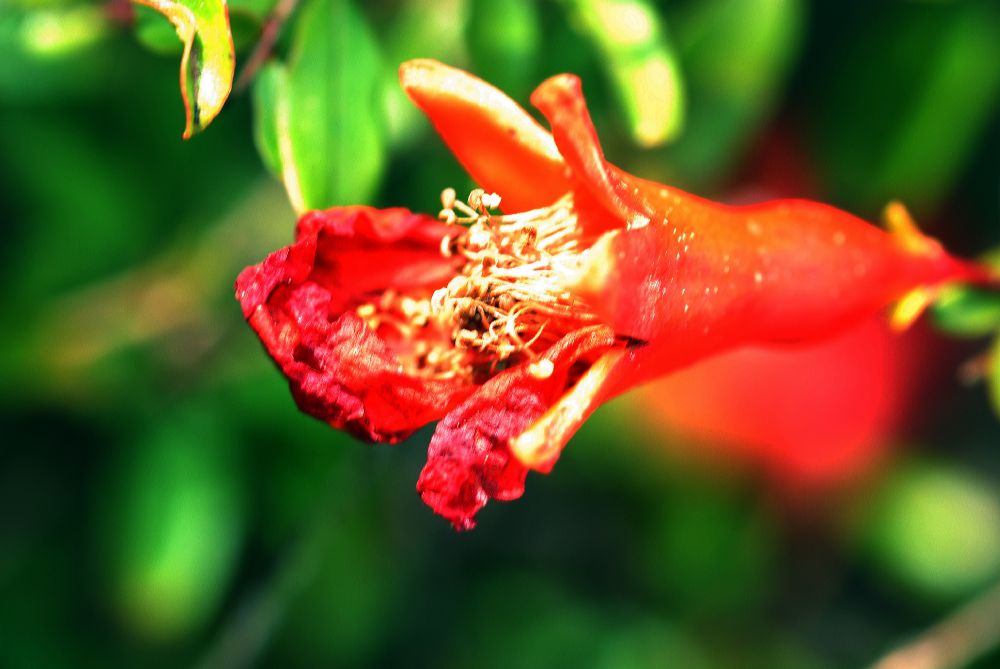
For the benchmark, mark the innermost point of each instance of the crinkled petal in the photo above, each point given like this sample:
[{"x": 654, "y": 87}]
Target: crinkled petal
[
  {"x": 300, "y": 303},
  {"x": 469, "y": 461},
  {"x": 501, "y": 146}
]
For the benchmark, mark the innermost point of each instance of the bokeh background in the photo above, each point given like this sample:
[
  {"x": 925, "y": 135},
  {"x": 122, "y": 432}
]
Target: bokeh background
[{"x": 164, "y": 504}]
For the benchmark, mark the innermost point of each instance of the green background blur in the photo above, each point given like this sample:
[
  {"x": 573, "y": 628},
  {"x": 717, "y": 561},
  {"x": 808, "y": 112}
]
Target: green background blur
[{"x": 162, "y": 501}]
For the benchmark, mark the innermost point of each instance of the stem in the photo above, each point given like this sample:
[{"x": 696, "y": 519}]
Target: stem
[
  {"x": 268, "y": 36},
  {"x": 954, "y": 642}
]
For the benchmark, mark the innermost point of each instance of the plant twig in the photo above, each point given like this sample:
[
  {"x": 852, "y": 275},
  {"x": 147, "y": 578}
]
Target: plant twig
[
  {"x": 268, "y": 36},
  {"x": 954, "y": 642}
]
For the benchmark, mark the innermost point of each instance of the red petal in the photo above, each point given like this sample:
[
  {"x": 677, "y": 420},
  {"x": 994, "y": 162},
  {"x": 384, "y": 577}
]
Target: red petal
[
  {"x": 469, "y": 462},
  {"x": 560, "y": 99},
  {"x": 540, "y": 445},
  {"x": 503, "y": 149},
  {"x": 300, "y": 301}
]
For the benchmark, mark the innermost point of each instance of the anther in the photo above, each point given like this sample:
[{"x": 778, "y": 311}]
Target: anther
[
  {"x": 490, "y": 200},
  {"x": 541, "y": 369},
  {"x": 476, "y": 198},
  {"x": 448, "y": 198}
]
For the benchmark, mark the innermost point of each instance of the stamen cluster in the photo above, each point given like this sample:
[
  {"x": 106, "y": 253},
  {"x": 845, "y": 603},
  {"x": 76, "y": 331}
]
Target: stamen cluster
[{"x": 509, "y": 298}]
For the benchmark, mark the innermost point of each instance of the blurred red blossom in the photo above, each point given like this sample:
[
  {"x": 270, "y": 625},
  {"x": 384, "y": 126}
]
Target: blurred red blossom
[{"x": 813, "y": 417}]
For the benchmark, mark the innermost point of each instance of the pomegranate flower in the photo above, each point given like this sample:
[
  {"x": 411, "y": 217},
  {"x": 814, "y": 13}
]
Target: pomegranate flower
[{"x": 511, "y": 328}]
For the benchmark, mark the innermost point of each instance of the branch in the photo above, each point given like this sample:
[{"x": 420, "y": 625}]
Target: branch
[{"x": 956, "y": 641}]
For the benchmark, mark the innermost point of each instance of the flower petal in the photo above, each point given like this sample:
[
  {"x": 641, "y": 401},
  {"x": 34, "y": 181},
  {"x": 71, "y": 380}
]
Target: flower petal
[
  {"x": 538, "y": 447},
  {"x": 469, "y": 462},
  {"x": 300, "y": 301},
  {"x": 560, "y": 99},
  {"x": 501, "y": 146}
]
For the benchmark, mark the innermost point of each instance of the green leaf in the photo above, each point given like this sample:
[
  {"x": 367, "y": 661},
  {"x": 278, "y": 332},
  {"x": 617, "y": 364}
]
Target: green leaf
[
  {"x": 504, "y": 37},
  {"x": 968, "y": 312},
  {"x": 641, "y": 63},
  {"x": 419, "y": 29},
  {"x": 173, "y": 525},
  {"x": 735, "y": 55},
  {"x": 328, "y": 112},
  {"x": 51, "y": 53},
  {"x": 269, "y": 91},
  {"x": 154, "y": 33},
  {"x": 898, "y": 120},
  {"x": 258, "y": 9},
  {"x": 993, "y": 376},
  {"x": 935, "y": 529},
  {"x": 208, "y": 61}
]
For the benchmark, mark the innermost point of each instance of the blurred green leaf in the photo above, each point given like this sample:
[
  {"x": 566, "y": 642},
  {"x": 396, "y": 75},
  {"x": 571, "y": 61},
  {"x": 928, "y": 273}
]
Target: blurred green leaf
[
  {"x": 338, "y": 618},
  {"x": 269, "y": 91},
  {"x": 419, "y": 29},
  {"x": 157, "y": 35},
  {"x": 935, "y": 529},
  {"x": 641, "y": 644},
  {"x": 246, "y": 20},
  {"x": 898, "y": 119},
  {"x": 504, "y": 37},
  {"x": 735, "y": 55},
  {"x": 967, "y": 311},
  {"x": 993, "y": 376},
  {"x": 258, "y": 9},
  {"x": 78, "y": 191},
  {"x": 323, "y": 119},
  {"x": 50, "y": 52},
  {"x": 57, "y": 31},
  {"x": 641, "y": 63},
  {"x": 245, "y": 28},
  {"x": 173, "y": 525},
  {"x": 708, "y": 550},
  {"x": 208, "y": 61},
  {"x": 522, "y": 619}
]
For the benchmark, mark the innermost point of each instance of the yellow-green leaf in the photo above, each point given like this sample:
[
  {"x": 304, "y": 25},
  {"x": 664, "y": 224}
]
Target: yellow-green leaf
[
  {"x": 327, "y": 109},
  {"x": 935, "y": 528},
  {"x": 642, "y": 64},
  {"x": 208, "y": 62},
  {"x": 993, "y": 375},
  {"x": 967, "y": 311}
]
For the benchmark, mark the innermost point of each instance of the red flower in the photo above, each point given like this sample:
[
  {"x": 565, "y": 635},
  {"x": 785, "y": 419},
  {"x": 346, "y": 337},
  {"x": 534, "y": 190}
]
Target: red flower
[{"x": 513, "y": 328}]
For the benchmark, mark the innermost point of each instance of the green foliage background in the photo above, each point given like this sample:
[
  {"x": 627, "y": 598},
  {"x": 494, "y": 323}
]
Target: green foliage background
[{"x": 162, "y": 502}]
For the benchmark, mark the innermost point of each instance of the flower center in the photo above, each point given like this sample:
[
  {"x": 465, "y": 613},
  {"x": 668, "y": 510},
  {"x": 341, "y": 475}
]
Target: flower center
[
  {"x": 509, "y": 298},
  {"x": 507, "y": 301}
]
